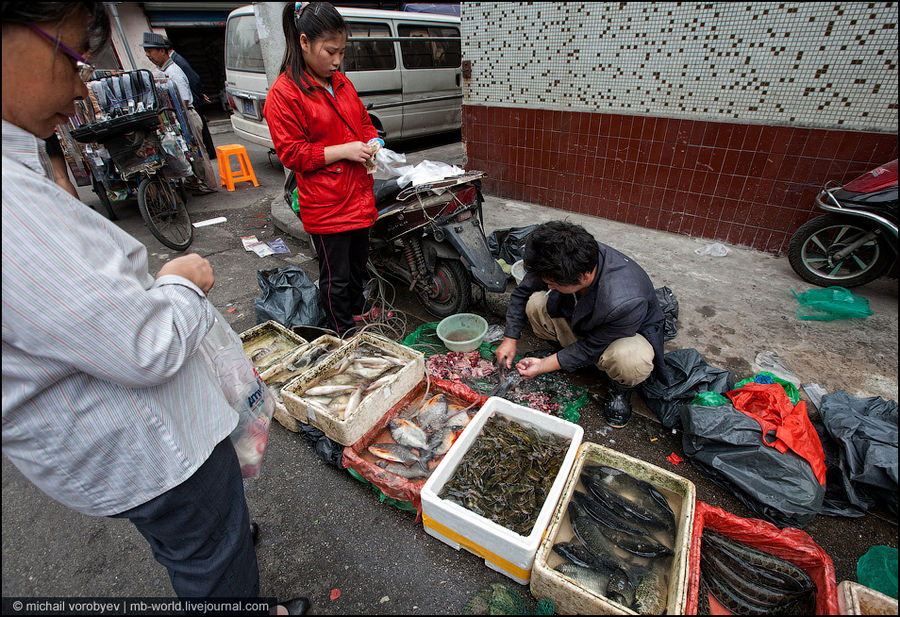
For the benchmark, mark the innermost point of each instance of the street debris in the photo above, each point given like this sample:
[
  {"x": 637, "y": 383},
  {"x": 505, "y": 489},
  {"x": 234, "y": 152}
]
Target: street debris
[{"x": 215, "y": 221}]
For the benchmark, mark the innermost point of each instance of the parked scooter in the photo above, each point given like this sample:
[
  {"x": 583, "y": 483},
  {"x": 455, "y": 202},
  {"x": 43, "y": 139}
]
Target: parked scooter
[
  {"x": 431, "y": 237},
  {"x": 856, "y": 242}
]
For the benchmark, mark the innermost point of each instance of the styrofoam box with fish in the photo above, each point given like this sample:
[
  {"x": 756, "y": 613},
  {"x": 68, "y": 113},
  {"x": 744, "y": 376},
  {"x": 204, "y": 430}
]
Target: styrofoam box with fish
[
  {"x": 502, "y": 549},
  {"x": 347, "y": 429},
  {"x": 291, "y": 367},
  {"x": 267, "y": 343},
  {"x": 573, "y": 598},
  {"x": 856, "y": 599}
]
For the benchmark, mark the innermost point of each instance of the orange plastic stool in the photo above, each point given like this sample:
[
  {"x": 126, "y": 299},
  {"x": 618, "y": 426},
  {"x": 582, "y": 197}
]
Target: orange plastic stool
[{"x": 227, "y": 177}]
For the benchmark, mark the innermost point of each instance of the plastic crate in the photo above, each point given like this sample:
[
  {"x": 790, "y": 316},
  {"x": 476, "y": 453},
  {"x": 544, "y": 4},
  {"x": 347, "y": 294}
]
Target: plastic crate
[
  {"x": 571, "y": 598},
  {"x": 332, "y": 343},
  {"x": 856, "y": 599},
  {"x": 372, "y": 408},
  {"x": 502, "y": 549}
]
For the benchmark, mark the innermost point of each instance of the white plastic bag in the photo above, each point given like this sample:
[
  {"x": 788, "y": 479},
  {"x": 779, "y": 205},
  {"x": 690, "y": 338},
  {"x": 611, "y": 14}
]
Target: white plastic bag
[
  {"x": 390, "y": 163},
  {"x": 716, "y": 249},
  {"x": 244, "y": 391}
]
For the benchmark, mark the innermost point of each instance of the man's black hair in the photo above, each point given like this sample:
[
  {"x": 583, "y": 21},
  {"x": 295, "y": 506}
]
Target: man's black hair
[
  {"x": 37, "y": 12},
  {"x": 560, "y": 252}
]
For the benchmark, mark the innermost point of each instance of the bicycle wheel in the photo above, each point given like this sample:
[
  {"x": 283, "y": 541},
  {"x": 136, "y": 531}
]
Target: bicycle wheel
[{"x": 165, "y": 213}]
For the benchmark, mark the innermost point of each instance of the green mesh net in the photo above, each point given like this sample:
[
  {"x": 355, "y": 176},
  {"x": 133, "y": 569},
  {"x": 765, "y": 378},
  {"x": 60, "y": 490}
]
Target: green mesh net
[
  {"x": 495, "y": 599},
  {"x": 549, "y": 392}
]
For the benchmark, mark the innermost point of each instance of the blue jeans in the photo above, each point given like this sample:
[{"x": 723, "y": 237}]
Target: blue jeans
[{"x": 200, "y": 531}]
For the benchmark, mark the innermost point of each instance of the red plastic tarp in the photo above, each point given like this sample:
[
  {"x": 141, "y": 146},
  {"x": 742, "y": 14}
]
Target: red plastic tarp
[
  {"x": 390, "y": 484},
  {"x": 789, "y": 543},
  {"x": 769, "y": 405}
]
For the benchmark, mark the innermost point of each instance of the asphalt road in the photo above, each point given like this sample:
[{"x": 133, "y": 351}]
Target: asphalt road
[{"x": 322, "y": 530}]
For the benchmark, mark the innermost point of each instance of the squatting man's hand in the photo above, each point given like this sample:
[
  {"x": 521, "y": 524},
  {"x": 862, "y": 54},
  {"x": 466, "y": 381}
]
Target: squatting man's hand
[
  {"x": 529, "y": 367},
  {"x": 194, "y": 268},
  {"x": 505, "y": 352}
]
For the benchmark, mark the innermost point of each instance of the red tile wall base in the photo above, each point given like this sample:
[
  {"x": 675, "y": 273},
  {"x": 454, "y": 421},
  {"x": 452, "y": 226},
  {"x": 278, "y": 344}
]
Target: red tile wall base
[{"x": 744, "y": 184}]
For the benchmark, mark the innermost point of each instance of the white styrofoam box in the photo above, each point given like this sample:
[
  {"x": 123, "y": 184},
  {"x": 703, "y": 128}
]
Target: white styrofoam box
[
  {"x": 346, "y": 431},
  {"x": 856, "y": 599},
  {"x": 502, "y": 549},
  {"x": 570, "y": 598}
]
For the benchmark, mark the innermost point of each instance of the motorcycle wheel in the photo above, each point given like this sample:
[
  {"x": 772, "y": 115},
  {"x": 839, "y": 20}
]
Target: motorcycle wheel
[
  {"x": 450, "y": 291},
  {"x": 814, "y": 244}
]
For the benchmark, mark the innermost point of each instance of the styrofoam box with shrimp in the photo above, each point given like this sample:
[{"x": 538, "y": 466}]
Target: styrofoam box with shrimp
[
  {"x": 502, "y": 549},
  {"x": 372, "y": 407}
]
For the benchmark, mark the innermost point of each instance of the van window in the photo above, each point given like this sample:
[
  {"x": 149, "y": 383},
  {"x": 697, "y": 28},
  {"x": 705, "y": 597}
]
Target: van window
[
  {"x": 430, "y": 54},
  {"x": 369, "y": 55},
  {"x": 242, "y": 50}
]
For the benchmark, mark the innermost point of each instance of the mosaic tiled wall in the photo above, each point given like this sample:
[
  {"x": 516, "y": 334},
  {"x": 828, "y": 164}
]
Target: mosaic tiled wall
[{"x": 718, "y": 120}]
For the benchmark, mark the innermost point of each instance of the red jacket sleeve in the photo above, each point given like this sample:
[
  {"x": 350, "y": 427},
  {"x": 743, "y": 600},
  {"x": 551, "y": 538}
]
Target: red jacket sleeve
[{"x": 286, "y": 118}]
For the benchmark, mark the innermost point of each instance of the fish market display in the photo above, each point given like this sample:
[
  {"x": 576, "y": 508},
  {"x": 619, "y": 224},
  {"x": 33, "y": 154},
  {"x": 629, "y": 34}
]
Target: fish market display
[
  {"x": 361, "y": 372},
  {"x": 278, "y": 375},
  {"x": 267, "y": 348},
  {"x": 421, "y": 434},
  {"x": 624, "y": 533},
  {"x": 748, "y": 581},
  {"x": 506, "y": 474}
]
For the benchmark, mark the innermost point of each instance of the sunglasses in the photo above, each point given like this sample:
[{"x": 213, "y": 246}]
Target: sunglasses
[{"x": 84, "y": 68}]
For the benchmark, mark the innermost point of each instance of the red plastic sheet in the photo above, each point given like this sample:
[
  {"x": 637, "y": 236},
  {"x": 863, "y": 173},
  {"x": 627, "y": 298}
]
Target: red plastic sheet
[
  {"x": 392, "y": 485},
  {"x": 769, "y": 405},
  {"x": 789, "y": 543}
]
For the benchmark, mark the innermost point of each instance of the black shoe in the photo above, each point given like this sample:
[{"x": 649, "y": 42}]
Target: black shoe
[
  {"x": 617, "y": 404},
  {"x": 296, "y": 606},
  {"x": 254, "y": 532}
]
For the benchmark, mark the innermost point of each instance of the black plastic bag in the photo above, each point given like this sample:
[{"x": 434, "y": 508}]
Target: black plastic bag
[
  {"x": 841, "y": 499},
  {"x": 509, "y": 244},
  {"x": 727, "y": 447},
  {"x": 288, "y": 297},
  {"x": 865, "y": 434},
  {"x": 326, "y": 448},
  {"x": 689, "y": 374},
  {"x": 669, "y": 305}
]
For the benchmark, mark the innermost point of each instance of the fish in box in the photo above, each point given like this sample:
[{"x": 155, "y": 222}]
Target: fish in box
[
  {"x": 491, "y": 494},
  {"x": 349, "y": 392},
  {"x": 618, "y": 542},
  {"x": 267, "y": 343}
]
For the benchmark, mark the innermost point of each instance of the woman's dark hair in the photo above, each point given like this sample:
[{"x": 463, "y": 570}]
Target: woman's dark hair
[
  {"x": 315, "y": 20},
  {"x": 560, "y": 252},
  {"x": 37, "y": 12}
]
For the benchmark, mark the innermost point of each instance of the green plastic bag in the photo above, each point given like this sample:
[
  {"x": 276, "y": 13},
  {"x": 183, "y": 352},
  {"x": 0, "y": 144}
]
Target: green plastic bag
[
  {"x": 295, "y": 202},
  {"x": 877, "y": 570},
  {"x": 790, "y": 389},
  {"x": 831, "y": 303},
  {"x": 710, "y": 398}
]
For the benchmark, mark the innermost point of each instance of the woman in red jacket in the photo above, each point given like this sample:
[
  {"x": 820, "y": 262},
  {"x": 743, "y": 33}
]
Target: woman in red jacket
[{"x": 322, "y": 132}]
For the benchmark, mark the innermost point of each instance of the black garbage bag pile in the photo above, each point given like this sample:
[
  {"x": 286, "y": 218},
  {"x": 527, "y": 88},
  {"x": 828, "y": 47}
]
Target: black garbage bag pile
[
  {"x": 669, "y": 305},
  {"x": 689, "y": 374},
  {"x": 288, "y": 297},
  {"x": 859, "y": 437},
  {"x": 727, "y": 447}
]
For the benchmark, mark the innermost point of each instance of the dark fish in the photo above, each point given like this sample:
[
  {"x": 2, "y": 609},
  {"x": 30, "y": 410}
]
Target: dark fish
[
  {"x": 589, "y": 533},
  {"x": 641, "y": 545},
  {"x": 743, "y": 591},
  {"x": 587, "y": 577},
  {"x": 793, "y": 576},
  {"x": 621, "y": 589},
  {"x": 581, "y": 556},
  {"x": 624, "y": 482},
  {"x": 625, "y": 507},
  {"x": 650, "y": 596},
  {"x": 603, "y": 515}
]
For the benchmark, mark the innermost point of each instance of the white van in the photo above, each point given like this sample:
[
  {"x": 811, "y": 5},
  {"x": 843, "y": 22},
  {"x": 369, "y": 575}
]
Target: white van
[{"x": 405, "y": 67}]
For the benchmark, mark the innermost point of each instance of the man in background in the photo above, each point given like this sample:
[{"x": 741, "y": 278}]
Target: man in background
[
  {"x": 197, "y": 93},
  {"x": 158, "y": 48}
]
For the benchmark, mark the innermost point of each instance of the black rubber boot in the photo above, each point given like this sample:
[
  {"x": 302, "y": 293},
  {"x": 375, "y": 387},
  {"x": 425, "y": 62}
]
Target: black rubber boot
[{"x": 617, "y": 404}]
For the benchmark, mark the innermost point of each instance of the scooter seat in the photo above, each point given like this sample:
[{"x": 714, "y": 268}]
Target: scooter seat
[{"x": 385, "y": 190}]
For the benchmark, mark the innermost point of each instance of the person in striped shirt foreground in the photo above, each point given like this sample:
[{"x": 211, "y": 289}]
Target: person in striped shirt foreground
[{"x": 106, "y": 406}]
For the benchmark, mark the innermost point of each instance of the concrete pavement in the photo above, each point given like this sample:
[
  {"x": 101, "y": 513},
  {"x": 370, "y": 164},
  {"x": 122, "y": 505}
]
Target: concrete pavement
[{"x": 321, "y": 530}]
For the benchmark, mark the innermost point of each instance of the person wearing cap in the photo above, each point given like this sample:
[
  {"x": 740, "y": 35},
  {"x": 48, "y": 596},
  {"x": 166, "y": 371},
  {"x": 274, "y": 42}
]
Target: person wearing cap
[
  {"x": 157, "y": 49},
  {"x": 197, "y": 94}
]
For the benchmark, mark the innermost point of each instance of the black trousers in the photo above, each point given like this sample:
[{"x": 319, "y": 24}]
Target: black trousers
[
  {"x": 342, "y": 269},
  {"x": 200, "y": 531},
  {"x": 207, "y": 137}
]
